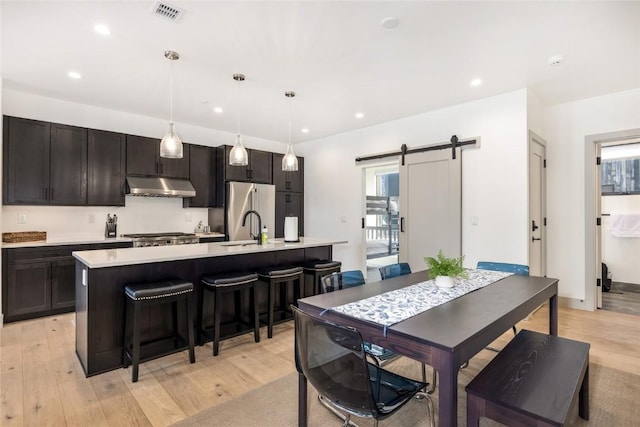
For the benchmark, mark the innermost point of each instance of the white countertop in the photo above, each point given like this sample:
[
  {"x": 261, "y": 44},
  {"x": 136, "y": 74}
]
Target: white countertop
[
  {"x": 131, "y": 256},
  {"x": 66, "y": 240}
]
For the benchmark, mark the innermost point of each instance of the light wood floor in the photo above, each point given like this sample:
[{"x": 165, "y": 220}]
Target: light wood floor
[{"x": 42, "y": 382}]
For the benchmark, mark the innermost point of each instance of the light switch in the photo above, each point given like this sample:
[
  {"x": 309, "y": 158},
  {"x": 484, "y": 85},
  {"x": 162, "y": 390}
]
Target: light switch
[{"x": 22, "y": 219}]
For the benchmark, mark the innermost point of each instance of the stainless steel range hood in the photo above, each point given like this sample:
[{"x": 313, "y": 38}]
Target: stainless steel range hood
[{"x": 159, "y": 187}]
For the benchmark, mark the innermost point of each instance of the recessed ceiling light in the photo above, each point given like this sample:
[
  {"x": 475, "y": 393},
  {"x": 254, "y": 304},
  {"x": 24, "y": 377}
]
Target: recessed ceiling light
[
  {"x": 390, "y": 22},
  {"x": 476, "y": 82},
  {"x": 102, "y": 29},
  {"x": 74, "y": 75},
  {"x": 555, "y": 60},
  {"x": 305, "y": 130},
  {"x": 218, "y": 110},
  {"x": 359, "y": 115}
]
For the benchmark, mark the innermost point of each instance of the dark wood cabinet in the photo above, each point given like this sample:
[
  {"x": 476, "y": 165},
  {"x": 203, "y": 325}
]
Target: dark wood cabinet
[
  {"x": 289, "y": 204},
  {"x": 40, "y": 281},
  {"x": 44, "y": 163},
  {"x": 288, "y": 181},
  {"x": 106, "y": 162},
  {"x": 28, "y": 289},
  {"x": 63, "y": 290},
  {"x": 143, "y": 158},
  {"x": 202, "y": 175},
  {"x": 26, "y": 161},
  {"x": 258, "y": 170},
  {"x": 68, "y": 165}
]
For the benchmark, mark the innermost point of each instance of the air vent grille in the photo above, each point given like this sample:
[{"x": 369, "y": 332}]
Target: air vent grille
[{"x": 168, "y": 11}]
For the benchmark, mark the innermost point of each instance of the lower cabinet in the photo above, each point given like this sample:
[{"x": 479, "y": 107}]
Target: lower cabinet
[{"x": 40, "y": 281}]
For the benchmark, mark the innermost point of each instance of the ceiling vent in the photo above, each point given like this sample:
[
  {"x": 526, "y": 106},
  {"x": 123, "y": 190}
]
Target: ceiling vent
[{"x": 168, "y": 11}]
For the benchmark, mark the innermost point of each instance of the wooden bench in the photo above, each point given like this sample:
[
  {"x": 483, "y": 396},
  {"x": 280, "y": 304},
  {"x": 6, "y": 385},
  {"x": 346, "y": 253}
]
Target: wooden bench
[{"x": 534, "y": 381}]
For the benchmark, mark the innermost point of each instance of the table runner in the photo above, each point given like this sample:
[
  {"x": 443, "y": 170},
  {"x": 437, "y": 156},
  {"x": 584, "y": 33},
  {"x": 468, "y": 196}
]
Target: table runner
[{"x": 398, "y": 305}]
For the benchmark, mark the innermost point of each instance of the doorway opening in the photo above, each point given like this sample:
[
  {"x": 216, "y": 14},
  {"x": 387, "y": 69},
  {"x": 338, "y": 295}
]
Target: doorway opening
[
  {"x": 382, "y": 192},
  {"x": 597, "y": 212},
  {"x": 620, "y": 226}
]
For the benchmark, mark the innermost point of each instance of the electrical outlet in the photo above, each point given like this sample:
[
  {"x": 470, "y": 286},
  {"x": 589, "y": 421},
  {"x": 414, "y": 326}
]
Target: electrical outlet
[
  {"x": 92, "y": 219},
  {"x": 343, "y": 219},
  {"x": 474, "y": 220},
  {"x": 22, "y": 219},
  {"x": 187, "y": 217}
]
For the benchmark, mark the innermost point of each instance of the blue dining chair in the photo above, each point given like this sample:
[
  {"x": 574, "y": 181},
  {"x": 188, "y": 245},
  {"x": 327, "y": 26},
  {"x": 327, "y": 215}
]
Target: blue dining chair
[
  {"x": 394, "y": 270},
  {"x": 519, "y": 269}
]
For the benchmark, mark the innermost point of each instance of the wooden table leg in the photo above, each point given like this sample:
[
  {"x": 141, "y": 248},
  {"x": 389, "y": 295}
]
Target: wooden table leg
[
  {"x": 448, "y": 393},
  {"x": 553, "y": 315},
  {"x": 302, "y": 400}
]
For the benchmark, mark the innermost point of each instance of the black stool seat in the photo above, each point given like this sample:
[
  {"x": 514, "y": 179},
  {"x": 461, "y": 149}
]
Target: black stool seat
[
  {"x": 154, "y": 290},
  {"x": 320, "y": 268},
  {"x": 218, "y": 284},
  {"x": 280, "y": 272},
  {"x": 281, "y": 275},
  {"x": 151, "y": 293},
  {"x": 230, "y": 279}
]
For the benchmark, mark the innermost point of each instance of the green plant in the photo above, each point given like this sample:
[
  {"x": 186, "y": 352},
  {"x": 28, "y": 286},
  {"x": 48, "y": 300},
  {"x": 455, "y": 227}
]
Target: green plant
[{"x": 443, "y": 266}]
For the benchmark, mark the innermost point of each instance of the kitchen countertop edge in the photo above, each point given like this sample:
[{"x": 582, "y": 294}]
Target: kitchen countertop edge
[{"x": 132, "y": 256}]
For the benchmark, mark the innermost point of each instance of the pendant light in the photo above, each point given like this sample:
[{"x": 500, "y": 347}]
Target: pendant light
[
  {"x": 238, "y": 155},
  {"x": 171, "y": 144},
  {"x": 290, "y": 161}
]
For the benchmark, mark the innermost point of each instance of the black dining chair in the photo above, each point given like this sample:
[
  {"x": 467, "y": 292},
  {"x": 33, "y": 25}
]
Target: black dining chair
[
  {"x": 380, "y": 355},
  {"x": 333, "y": 359},
  {"x": 394, "y": 270}
]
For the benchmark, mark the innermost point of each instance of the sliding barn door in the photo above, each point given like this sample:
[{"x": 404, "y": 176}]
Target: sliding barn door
[{"x": 430, "y": 206}]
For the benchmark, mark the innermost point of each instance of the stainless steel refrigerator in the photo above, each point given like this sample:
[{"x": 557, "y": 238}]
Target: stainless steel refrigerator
[{"x": 242, "y": 197}]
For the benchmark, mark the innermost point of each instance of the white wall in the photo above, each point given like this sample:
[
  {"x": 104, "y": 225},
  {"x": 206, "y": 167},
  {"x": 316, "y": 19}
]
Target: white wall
[
  {"x": 494, "y": 176},
  {"x": 620, "y": 253},
  {"x": 140, "y": 214},
  {"x": 566, "y": 126}
]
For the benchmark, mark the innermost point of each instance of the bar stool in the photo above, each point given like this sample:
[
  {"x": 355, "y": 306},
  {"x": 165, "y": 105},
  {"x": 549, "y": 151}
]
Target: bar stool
[
  {"x": 220, "y": 284},
  {"x": 317, "y": 269},
  {"x": 147, "y": 294},
  {"x": 282, "y": 276}
]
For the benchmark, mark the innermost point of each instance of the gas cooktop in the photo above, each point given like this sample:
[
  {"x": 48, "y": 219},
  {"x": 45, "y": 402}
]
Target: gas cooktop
[{"x": 162, "y": 239}]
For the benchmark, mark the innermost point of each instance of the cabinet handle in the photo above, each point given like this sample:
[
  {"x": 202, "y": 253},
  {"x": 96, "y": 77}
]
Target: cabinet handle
[
  {"x": 288, "y": 185},
  {"x": 402, "y": 224},
  {"x": 161, "y": 168},
  {"x": 51, "y": 195},
  {"x": 287, "y": 198},
  {"x": 250, "y": 173}
]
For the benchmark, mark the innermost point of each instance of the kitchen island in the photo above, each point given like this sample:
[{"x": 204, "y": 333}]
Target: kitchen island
[{"x": 102, "y": 274}]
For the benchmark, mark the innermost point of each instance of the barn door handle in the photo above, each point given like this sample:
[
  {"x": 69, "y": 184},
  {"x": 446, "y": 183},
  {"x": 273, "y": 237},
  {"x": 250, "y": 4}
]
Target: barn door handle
[
  {"x": 534, "y": 227},
  {"x": 402, "y": 224},
  {"x": 533, "y": 239}
]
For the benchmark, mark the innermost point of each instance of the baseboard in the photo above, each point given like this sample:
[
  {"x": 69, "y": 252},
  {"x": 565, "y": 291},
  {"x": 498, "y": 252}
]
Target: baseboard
[{"x": 575, "y": 303}]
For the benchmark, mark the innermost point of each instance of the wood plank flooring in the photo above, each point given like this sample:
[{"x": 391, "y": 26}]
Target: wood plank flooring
[
  {"x": 622, "y": 298},
  {"x": 42, "y": 382}
]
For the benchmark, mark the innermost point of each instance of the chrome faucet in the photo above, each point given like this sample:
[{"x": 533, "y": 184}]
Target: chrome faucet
[{"x": 244, "y": 220}]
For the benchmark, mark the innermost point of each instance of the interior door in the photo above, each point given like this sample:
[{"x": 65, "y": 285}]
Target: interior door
[
  {"x": 430, "y": 206},
  {"x": 537, "y": 206},
  {"x": 598, "y": 234}
]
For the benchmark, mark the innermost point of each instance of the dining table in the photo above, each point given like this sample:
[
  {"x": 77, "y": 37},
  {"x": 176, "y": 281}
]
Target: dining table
[{"x": 444, "y": 336}]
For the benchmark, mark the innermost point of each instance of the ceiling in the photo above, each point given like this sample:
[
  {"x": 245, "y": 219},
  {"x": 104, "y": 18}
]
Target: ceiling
[{"x": 335, "y": 55}]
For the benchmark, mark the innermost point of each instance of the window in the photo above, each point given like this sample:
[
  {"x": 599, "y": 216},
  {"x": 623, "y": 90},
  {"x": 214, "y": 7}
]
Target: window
[{"x": 621, "y": 176}]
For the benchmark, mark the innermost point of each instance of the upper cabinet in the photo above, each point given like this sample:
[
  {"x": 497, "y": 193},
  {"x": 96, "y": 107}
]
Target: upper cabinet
[
  {"x": 202, "y": 174},
  {"x": 258, "y": 170},
  {"x": 25, "y": 161},
  {"x": 143, "y": 158},
  {"x": 106, "y": 168},
  {"x": 55, "y": 164},
  {"x": 44, "y": 163},
  {"x": 68, "y": 165},
  {"x": 288, "y": 181}
]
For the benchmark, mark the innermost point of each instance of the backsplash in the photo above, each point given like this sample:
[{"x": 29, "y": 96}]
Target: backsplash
[{"x": 139, "y": 215}]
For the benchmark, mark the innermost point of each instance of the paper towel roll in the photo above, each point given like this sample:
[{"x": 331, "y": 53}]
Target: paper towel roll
[{"x": 291, "y": 229}]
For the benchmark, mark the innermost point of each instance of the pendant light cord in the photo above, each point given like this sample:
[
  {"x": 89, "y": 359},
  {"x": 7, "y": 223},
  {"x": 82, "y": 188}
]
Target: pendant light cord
[
  {"x": 290, "y": 117},
  {"x": 171, "y": 90},
  {"x": 238, "y": 105}
]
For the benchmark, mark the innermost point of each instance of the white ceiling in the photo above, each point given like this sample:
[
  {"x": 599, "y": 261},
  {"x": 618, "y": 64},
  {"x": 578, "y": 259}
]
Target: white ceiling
[{"x": 335, "y": 55}]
